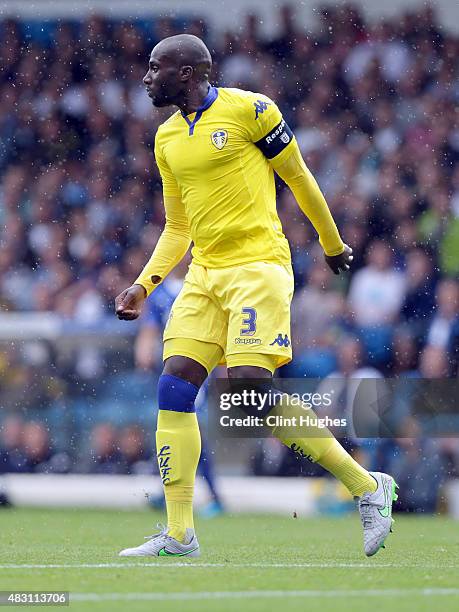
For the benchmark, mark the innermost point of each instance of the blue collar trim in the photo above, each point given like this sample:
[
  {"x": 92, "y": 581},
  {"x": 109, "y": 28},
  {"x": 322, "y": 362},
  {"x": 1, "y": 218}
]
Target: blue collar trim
[{"x": 210, "y": 98}]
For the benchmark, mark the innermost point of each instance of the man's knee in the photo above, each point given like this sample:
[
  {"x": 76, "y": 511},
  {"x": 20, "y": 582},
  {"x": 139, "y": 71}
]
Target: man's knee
[
  {"x": 179, "y": 384},
  {"x": 253, "y": 382},
  {"x": 185, "y": 368}
]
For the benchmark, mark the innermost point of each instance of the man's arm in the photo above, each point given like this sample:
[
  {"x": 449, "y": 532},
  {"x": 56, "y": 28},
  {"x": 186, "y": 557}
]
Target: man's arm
[
  {"x": 269, "y": 132},
  {"x": 169, "y": 251},
  {"x": 294, "y": 172},
  {"x": 170, "y": 248}
]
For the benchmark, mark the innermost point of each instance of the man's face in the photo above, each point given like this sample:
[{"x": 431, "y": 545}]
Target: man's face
[{"x": 162, "y": 81}]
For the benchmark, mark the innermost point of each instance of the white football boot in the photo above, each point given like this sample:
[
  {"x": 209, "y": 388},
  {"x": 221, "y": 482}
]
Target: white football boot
[
  {"x": 163, "y": 545},
  {"x": 376, "y": 513}
]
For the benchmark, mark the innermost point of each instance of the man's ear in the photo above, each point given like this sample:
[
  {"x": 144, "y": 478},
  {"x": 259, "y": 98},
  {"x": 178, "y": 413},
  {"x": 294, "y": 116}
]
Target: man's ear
[{"x": 186, "y": 73}]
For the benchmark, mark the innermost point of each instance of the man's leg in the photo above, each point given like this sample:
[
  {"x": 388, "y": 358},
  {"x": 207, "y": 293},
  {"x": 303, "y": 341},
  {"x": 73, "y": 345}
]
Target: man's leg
[
  {"x": 375, "y": 491},
  {"x": 178, "y": 444},
  {"x": 193, "y": 341},
  {"x": 187, "y": 363},
  {"x": 322, "y": 448},
  {"x": 258, "y": 298},
  {"x": 178, "y": 441}
]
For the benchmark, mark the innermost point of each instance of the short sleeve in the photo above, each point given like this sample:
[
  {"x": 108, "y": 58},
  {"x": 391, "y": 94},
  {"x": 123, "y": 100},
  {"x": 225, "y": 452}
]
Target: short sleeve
[
  {"x": 266, "y": 127},
  {"x": 170, "y": 187}
]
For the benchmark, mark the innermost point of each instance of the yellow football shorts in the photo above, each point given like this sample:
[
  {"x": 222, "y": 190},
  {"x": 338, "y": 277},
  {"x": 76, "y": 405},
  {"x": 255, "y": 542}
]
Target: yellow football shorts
[{"x": 239, "y": 315}]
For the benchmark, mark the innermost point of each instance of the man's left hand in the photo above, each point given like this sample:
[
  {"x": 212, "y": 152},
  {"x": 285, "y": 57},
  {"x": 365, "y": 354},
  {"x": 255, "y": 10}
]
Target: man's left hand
[{"x": 342, "y": 262}]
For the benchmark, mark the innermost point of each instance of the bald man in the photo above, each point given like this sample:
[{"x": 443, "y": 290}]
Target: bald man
[{"x": 217, "y": 155}]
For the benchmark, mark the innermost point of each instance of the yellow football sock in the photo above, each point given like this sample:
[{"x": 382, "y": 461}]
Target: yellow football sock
[
  {"x": 346, "y": 469},
  {"x": 178, "y": 447},
  {"x": 323, "y": 448}
]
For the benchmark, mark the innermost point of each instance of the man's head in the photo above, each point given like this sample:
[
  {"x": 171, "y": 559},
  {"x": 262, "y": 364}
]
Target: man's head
[{"x": 177, "y": 65}]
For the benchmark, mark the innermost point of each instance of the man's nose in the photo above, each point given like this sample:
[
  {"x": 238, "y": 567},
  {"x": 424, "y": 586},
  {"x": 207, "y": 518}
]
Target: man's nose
[{"x": 147, "y": 79}]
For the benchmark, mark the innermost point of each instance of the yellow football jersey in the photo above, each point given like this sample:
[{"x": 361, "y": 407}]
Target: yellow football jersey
[{"x": 216, "y": 161}]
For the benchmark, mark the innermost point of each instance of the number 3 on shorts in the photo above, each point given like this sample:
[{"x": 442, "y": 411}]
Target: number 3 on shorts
[{"x": 249, "y": 322}]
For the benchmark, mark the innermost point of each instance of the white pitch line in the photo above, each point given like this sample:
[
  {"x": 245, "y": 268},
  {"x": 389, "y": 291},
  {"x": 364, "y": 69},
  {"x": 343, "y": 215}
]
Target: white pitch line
[
  {"x": 432, "y": 592},
  {"x": 229, "y": 565}
]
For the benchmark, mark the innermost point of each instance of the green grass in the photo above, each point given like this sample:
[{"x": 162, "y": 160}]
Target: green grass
[{"x": 423, "y": 553}]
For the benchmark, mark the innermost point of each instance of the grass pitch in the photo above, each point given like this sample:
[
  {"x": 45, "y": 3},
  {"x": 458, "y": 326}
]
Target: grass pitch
[{"x": 249, "y": 563}]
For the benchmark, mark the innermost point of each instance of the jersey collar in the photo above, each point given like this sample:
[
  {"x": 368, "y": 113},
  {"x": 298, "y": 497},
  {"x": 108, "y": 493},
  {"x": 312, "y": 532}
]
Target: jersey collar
[{"x": 210, "y": 98}]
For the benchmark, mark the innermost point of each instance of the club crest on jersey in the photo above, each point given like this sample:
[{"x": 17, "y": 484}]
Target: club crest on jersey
[{"x": 219, "y": 138}]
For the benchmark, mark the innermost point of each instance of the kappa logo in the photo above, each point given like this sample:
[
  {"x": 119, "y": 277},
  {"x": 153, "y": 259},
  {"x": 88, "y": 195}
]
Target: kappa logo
[
  {"x": 281, "y": 341},
  {"x": 247, "y": 341},
  {"x": 219, "y": 138},
  {"x": 260, "y": 107}
]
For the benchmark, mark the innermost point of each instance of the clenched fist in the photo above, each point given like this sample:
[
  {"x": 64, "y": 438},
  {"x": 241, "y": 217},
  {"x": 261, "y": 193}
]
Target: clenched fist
[
  {"x": 342, "y": 262},
  {"x": 128, "y": 304}
]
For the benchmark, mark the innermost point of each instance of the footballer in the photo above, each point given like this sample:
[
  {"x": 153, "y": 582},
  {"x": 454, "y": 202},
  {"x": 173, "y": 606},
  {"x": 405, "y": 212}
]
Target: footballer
[{"x": 217, "y": 155}]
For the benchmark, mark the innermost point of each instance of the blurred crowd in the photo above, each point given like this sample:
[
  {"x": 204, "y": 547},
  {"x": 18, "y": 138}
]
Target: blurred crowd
[
  {"x": 26, "y": 446},
  {"x": 373, "y": 108}
]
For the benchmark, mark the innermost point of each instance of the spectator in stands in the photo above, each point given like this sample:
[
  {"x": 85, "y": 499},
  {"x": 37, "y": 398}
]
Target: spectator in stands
[
  {"x": 12, "y": 457},
  {"x": 318, "y": 312},
  {"x": 405, "y": 353},
  {"x": 419, "y": 302},
  {"x": 377, "y": 291},
  {"x": 317, "y": 309},
  {"x": 133, "y": 451},
  {"x": 443, "y": 328},
  {"x": 375, "y": 298},
  {"x": 105, "y": 456},
  {"x": 431, "y": 399},
  {"x": 39, "y": 452},
  {"x": 419, "y": 479}
]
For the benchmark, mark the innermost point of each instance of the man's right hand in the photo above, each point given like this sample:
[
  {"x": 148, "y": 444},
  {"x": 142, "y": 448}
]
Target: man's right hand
[{"x": 128, "y": 304}]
